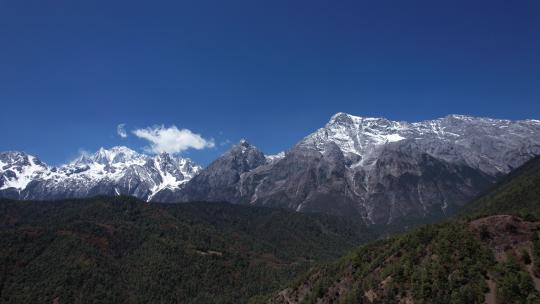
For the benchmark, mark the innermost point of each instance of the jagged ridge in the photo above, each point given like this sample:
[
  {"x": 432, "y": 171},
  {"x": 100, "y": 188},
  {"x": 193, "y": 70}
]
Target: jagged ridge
[
  {"x": 114, "y": 171},
  {"x": 382, "y": 170}
]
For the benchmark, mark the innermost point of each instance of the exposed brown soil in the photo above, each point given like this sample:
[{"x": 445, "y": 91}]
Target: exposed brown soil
[
  {"x": 491, "y": 294},
  {"x": 530, "y": 269},
  {"x": 297, "y": 295},
  {"x": 505, "y": 235},
  {"x": 502, "y": 233}
]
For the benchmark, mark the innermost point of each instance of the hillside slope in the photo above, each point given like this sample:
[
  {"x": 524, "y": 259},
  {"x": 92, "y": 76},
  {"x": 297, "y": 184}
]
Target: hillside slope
[
  {"x": 121, "y": 250},
  {"x": 518, "y": 193},
  {"x": 491, "y": 254}
]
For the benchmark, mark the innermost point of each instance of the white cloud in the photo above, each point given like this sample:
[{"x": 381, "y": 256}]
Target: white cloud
[
  {"x": 172, "y": 139},
  {"x": 121, "y": 130}
]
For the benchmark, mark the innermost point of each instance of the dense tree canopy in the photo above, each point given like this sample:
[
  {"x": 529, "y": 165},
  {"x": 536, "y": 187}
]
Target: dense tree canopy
[{"x": 121, "y": 250}]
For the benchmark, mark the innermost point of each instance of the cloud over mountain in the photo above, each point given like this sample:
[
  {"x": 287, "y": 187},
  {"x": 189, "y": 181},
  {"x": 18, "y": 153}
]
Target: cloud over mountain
[{"x": 172, "y": 139}]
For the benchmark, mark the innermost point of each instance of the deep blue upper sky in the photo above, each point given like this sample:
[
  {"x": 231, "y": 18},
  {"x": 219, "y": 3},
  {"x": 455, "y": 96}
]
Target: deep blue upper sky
[{"x": 269, "y": 71}]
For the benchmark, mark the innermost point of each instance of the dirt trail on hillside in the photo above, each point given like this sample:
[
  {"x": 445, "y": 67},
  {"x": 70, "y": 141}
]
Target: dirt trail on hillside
[
  {"x": 491, "y": 294},
  {"x": 536, "y": 281}
]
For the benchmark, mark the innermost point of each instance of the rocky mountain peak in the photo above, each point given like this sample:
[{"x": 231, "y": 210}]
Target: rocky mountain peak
[
  {"x": 113, "y": 171},
  {"x": 243, "y": 145},
  {"x": 460, "y": 117},
  {"x": 243, "y": 155},
  {"x": 340, "y": 118},
  {"x": 18, "y": 169},
  {"x": 381, "y": 169},
  {"x": 19, "y": 158},
  {"x": 118, "y": 154},
  {"x": 165, "y": 157}
]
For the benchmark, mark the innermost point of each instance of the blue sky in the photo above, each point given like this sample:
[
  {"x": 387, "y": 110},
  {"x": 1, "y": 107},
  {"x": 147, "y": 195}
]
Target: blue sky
[{"x": 269, "y": 71}]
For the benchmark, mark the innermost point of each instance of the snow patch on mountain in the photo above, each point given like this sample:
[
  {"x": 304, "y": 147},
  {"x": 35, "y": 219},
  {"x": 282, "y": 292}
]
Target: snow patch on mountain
[
  {"x": 25, "y": 169},
  {"x": 274, "y": 157},
  {"x": 121, "y": 169},
  {"x": 476, "y": 141}
]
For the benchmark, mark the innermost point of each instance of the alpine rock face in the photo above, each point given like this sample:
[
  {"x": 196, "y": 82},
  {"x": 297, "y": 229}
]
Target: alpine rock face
[
  {"x": 116, "y": 171},
  {"x": 383, "y": 171},
  {"x": 380, "y": 170},
  {"x": 222, "y": 179}
]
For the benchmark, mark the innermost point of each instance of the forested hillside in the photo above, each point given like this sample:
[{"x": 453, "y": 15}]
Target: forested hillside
[
  {"x": 518, "y": 193},
  {"x": 489, "y": 254},
  {"x": 122, "y": 250}
]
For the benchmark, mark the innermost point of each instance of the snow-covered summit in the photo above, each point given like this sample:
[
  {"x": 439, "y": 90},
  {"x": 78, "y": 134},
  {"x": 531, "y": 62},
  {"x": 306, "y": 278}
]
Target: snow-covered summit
[
  {"x": 275, "y": 157},
  {"x": 355, "y": 134},
  {"x": 114, "y": 171},
  {"x": 471, "y": 140},
  {"x": 17, "y": 169}
]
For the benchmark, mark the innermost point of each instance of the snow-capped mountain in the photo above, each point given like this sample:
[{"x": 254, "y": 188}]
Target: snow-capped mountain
[
  {"x": 478, "y": 142},
  {"x": 114, "y": 171},
  {"x": 18, "y": 169},
  {"x": 382, "y": 170}
]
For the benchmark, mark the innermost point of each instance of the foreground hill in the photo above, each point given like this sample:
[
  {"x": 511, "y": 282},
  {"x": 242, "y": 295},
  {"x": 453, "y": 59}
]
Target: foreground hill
[
  {"x": 491, "y": 255},
  {"x": 121, "y": 250}
]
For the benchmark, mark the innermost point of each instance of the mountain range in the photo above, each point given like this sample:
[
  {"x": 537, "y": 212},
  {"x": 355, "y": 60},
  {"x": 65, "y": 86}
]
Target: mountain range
[
  {"x": 116, "y": 171},
  {"x": 380, "y": 170},
  {"x": 123, "y": 250},
  {"x": 383, "y": 171}
]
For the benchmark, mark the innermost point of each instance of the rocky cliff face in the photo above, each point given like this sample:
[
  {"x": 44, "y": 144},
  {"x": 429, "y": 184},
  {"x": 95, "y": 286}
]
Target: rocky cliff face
[
  {"x": 220, "y": 180},
  {"x": 381, "y": 170}
]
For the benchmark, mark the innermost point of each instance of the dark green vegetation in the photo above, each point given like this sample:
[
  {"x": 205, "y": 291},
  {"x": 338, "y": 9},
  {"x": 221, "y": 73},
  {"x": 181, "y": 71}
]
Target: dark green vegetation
[
  {"x": 518, "y": 194},
  {"x": 480, "y": 256},
  {"x": 121, "y": 250},
  {"x": 514, "y": 284},
  {"x": 441, "y": 263}
]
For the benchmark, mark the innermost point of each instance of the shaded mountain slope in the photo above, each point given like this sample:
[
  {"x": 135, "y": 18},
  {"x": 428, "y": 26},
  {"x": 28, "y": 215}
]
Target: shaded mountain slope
[{"x": 517, "y": 193}]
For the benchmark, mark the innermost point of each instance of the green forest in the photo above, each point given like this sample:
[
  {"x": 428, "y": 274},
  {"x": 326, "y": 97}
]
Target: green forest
[
  {"x": 492, "y": 241},
  {"x": 122, "y": 250}
]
